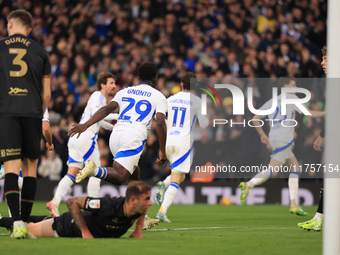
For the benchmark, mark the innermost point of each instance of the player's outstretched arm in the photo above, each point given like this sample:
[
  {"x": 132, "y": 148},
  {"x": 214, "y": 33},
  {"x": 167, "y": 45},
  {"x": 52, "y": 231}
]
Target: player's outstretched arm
[
  {"x": 138, "y": 232},
  {"x": 161, "y": 133},
  {"x": 46, "y": 128},
  {"x": 74, "y": 205},
  {"x": 98, "y": 116}
]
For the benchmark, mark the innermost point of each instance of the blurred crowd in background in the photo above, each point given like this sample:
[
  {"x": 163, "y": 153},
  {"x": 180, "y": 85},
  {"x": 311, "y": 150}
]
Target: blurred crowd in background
[{"x": 222, "y": 39}]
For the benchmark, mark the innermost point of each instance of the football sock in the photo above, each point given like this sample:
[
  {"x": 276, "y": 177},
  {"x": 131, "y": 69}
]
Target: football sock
[
  {"x": 19, "y": 223},
  {"x": 100, "y": 172},
  {"x": 11, "y": 190},
  {"x": 318, "y": 216},
  {"x": 260, "y": 178},
  {"x": 36, "y": 219},
  {"x": 320, "y": 207},
  {"x": 169, "y": 196},
  {"x": 29, "y": 188},
  {"x": 167, "y": 181},
  {"x": 293, "y": 184},
  {"x": 93, "y": 186},
  {"x": 6, "y": 222},
  {"x": 64, "y": 185}
]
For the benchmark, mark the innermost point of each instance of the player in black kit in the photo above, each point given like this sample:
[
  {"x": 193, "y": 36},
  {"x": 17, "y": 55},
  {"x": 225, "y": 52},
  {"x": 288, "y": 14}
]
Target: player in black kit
[
  {"x": 316, "y": 223},
  {"x": 24, "y": 94},
  {"x": 102, "y": 217}
]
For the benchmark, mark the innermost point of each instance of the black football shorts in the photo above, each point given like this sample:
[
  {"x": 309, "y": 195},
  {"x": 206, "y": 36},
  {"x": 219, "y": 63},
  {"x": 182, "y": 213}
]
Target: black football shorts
[{"x": 20, "y": 137}]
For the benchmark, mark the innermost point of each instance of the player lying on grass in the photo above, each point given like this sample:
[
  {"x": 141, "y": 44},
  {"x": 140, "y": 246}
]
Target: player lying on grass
[
  {"x": 281, "y": 143},
  {"x": 101, "y": 217}
]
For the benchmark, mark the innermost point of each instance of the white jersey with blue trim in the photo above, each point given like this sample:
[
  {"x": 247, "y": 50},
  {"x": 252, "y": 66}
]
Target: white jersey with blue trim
[
  {"x": 137, "y": 106},
  {"x": 97, "y": 100},
  {"x": 46, "y": 116},
  {"x": 183, "y": 110},
  {"x": 278, "y": 132}
]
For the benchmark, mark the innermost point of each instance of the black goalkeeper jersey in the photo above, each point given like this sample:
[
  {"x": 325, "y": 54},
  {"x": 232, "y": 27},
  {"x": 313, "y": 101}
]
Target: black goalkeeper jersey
[
  {"x": 106, "y": 217},
  {"x": 23, "y": 64}
]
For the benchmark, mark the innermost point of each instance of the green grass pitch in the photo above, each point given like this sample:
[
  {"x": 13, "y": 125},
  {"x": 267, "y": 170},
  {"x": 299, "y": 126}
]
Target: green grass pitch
[{"x": 196, "y": 229}]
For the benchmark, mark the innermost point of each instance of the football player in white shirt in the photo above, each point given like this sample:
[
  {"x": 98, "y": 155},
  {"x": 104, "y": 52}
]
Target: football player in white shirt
[
  {"x": 138, "y": 105},
  {"x": 86, "y": 147},
  {"x": 183, "y": 110},
  {"x": 281, "y": 143}
]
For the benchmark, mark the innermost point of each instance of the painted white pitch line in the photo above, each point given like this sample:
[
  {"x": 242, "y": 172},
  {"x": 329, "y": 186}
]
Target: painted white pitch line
[{"x": 181, "y": 229}]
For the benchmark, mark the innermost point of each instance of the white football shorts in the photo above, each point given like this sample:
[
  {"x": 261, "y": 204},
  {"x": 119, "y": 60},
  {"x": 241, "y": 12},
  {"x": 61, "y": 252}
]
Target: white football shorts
[
  {"x": 281, "y": 150},
  {"x": 127, "y": 147},
  {"x": 180, "y": 159},
  {"x": 82, "y": 149}
]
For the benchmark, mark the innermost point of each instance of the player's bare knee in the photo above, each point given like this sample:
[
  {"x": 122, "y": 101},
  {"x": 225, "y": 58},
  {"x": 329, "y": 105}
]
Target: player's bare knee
[{"x": 73, "y": 170}]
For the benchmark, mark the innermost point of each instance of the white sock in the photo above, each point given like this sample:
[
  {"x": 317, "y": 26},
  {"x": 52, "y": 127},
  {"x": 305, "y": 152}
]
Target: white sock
[
  {"x": 293, "y": 184},
  {"x": 167, "y": 181},
  {"x": 169, "y": 196},
  {"x": 318, "y": 216},
  {"x": 95, "y": 172},
  {"x": 64, "y": 185},
  {"x": 260, "y": 178},
  {"x": 18, "y": 223},
  {"x": 93, "y": 186}
]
